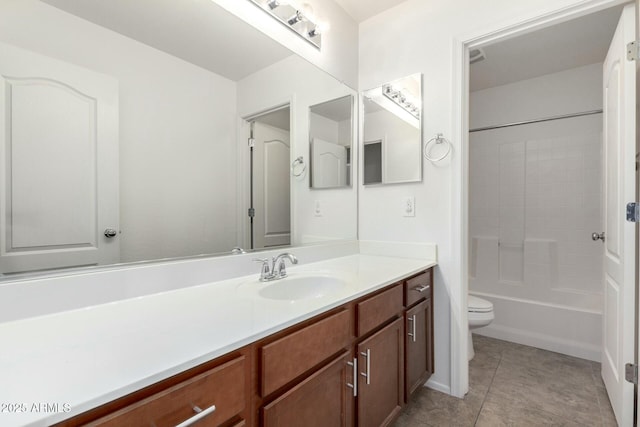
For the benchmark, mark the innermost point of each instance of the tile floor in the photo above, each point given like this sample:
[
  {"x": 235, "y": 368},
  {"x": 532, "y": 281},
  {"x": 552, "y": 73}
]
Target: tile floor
[{"x": 517, "y": 385}]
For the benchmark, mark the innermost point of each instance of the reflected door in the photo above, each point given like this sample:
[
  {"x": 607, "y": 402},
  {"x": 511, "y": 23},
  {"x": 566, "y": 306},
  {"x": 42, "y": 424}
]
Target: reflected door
[
  {"x": 619, "y": 188},
  {"x": 329, "y": 164},
  {"x": 59, "y": 156},
  {"x": 271, "y": 182}
]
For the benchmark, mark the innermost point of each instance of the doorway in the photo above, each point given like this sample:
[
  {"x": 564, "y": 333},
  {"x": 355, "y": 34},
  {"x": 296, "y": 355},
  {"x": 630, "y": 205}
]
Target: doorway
[
  {"x": 539, "y": 176},
  {"x": 269, "y": 212}
]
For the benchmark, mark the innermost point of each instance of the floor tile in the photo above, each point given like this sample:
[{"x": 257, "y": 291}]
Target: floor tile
[{"x": 516, "y": 385}]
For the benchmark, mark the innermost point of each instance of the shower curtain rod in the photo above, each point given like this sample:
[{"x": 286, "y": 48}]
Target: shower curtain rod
[{"x": 544, "y": 119}]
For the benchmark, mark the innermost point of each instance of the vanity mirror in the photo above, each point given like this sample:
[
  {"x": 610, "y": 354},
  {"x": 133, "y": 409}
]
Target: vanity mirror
[
  {"x": 392, "y": 151},
  {"x": 124, "y": 129},
  {"x": 330, "y": 139}
]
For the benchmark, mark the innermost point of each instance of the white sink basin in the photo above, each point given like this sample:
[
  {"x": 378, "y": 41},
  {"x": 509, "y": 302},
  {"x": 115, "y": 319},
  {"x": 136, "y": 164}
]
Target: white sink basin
[{"x": 301, "y": 287}]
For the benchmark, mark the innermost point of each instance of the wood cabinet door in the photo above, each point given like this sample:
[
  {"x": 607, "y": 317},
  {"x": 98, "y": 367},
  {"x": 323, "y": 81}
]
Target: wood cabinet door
[
  {"x": 323, "y": 399},
  {"x": 418, "y": 346},
  {"x": 381, "y": 379}
]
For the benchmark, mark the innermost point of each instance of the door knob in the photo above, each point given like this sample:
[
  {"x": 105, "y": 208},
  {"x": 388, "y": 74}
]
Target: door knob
[
  {"x": 596, "y": 236},
  {"x": 110, "y": 232}
]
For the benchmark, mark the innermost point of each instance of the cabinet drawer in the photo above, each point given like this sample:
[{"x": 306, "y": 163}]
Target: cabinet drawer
[
  {"x": 223, "y": 386},
  {"x": 287, "y": 358},
  {"x": 418, "y": 287},
  {"x": 376, "y": 310}
]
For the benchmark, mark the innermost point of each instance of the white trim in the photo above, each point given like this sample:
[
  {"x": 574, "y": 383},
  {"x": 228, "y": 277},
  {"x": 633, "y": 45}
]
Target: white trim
[
  {"x": 460, "y": 126},
  {"x": 434, "y": 385}
]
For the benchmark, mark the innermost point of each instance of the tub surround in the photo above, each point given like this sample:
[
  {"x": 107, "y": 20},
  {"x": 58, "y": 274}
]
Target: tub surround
[{"x": 87, "y": 356}]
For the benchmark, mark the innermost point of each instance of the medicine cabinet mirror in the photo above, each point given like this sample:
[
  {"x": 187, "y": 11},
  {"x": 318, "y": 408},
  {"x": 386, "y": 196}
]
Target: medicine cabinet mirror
[
  {"x": 392, "y": 139},
  {"x": 330, "y": 143}
]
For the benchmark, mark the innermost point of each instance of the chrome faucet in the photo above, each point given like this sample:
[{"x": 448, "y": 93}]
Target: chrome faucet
[
  {"x": 278, "y": 262},
  {"x": 278, "y": 269}
]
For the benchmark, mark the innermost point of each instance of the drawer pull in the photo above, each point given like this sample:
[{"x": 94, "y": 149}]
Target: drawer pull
[
  {"x": 422, "y": 288},
  {"x": 367, "y": 375},
  {"x": 412, "y": 334},
  {"x": 200, "y": 414},
  {"x": 354, "y": 386}
]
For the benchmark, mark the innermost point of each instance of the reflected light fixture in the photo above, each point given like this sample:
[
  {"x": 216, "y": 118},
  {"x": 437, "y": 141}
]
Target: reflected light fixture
[
  {"x": 401, "y": 99},
  {"x": 299, "y": 20}
]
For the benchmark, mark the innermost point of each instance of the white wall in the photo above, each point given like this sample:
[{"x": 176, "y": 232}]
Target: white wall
[
  {"x": 301, "y": 83},
  {"x": 419, "y": 36},
  {"x": 171, "y": 113},
  {"x": 339, "y": 53},
  {"x": 324, "y": 128},
  {"x": 535, "y": 198}
]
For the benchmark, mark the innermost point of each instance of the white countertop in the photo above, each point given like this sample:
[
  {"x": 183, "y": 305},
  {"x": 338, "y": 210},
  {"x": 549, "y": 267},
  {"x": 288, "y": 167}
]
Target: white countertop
[{"x": 60, "y": 365}]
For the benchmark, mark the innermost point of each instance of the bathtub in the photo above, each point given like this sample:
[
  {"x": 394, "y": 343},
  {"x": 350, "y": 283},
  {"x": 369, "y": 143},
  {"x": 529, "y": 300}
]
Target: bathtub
[{"x": 575, "y": 330}]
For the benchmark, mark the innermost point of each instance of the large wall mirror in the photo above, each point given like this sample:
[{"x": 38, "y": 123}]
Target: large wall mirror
[
  {"x": 124, "y": 129},
  {"x": 331, "y": 137},
  {"x": 392, "y": 150}
]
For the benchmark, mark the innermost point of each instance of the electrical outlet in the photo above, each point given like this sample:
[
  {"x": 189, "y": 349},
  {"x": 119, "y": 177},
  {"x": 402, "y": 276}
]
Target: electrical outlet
[
  {"x": 409, "y": 206},
  {"x": 317, "y": 209}
]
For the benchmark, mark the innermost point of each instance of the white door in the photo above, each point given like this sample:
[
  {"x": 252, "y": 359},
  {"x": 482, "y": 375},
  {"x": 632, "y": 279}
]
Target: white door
[
  {"x": 271, "y": 181},
  {"x": 59, "y": 157},
  {"x": 619, "y": 188},
  {"x": 328, "y": 164}
]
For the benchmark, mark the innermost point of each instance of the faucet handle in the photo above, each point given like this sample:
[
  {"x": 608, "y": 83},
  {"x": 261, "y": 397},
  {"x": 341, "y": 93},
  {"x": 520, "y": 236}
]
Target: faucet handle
[
  {"x": 282, "y": 269},
  {"x": 265, "y": 272}
]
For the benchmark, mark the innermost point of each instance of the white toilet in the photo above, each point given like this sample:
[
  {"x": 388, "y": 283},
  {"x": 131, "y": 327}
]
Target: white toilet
[{"x": 480, "y": 314}]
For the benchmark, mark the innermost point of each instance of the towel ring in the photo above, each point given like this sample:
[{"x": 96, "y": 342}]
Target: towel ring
[
  {"x": 298, "y": 167},
  {"x": 438, "y": 139}
]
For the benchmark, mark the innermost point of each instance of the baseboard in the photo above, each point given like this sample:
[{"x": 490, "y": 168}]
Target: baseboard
[
  {"x": 434, "y": 385},
  {"x": 545, "y": 342}
]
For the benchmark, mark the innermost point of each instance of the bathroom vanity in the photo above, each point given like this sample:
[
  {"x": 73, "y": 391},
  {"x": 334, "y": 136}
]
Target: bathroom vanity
[
  {"x": 352, "y": 362},
  {"x": 357, "y": 351}
]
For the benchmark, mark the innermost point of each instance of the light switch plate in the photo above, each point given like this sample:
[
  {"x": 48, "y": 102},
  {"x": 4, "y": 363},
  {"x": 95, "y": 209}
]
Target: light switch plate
[
  {"x": 317, "y": 208},
  {"x": 409, "y": 206}
]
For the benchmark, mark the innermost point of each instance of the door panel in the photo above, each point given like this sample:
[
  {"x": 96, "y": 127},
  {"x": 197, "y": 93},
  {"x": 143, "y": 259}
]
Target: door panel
[
  {"x": 272, "y": 221},
  {"x": 619, "y": 187},
  {"x": 59, "y": 151},
  {"x": 329, "y": 162}
]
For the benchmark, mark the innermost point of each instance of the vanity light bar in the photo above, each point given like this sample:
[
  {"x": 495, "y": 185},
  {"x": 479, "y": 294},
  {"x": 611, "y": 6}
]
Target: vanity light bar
[
  {"x": 293, "y": 18},
  {"x": 400, "y": 98}
]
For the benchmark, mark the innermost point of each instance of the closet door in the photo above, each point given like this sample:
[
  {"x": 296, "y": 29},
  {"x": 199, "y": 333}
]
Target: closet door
[{"x": 59, "y": 156}]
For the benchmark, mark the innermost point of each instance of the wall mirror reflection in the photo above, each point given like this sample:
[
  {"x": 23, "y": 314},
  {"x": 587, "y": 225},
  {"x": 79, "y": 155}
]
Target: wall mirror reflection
[
  {"x": 392, "y": 151},
  {"x": 120, "y": 128},
  {"x": 330, "y": 139}
]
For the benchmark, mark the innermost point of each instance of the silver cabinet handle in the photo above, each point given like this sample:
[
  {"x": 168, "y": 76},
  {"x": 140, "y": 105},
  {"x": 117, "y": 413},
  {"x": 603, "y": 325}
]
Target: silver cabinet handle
[
  {"x": 200, "y": 414},
  {"x": 412, "y": 334},
  {"x": 422, "y": 288},
  {"x": 367, "y": 375},
  {"x": 110, "y": 232},
  {"x": 595, "y": 236},
  {"x": 354, "y": 386}
]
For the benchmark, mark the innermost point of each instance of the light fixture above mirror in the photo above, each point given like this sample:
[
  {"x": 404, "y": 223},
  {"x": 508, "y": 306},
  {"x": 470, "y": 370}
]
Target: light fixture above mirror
[{"x": 299, "y": 19}]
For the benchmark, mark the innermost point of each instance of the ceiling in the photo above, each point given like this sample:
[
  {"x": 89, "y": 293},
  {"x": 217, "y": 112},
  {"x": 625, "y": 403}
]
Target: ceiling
[
  {"x": 361, "y": 10},
  {"x": 572, "y": 44},
  {"x": 278, "y": 119},
  {"x": 194, "y": 30},
  {"x": 337, "y": 109}
]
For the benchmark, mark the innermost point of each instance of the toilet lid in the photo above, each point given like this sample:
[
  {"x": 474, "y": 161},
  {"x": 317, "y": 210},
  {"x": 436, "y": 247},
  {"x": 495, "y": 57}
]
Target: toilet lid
[{"x": 479, "y": 305}]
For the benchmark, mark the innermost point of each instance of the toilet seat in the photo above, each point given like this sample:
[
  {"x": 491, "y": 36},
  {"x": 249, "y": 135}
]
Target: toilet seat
[{"x": 478, "y": 305}]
